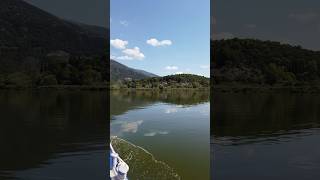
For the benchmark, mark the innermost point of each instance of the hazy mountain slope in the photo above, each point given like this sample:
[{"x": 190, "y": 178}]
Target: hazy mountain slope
[
  {"x": 25, "y": 28},
  {"x": 146, "y": 73},
  {"x": 119, "y": 71}
]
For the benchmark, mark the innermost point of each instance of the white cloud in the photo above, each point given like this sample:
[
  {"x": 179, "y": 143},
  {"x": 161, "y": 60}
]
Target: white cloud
[
  {"x": 112, "y": 57},
  {"x": 124, "y": 23},
  {"x": 156, "y": 43},
  {"x": 205, "y": 66},
  {"x": 134, "y": 53},
  {"x": 118, "y": 43},
  {"x": 171, "y": 68},
  {"x": 179, "y": 72},
  {"x": 124, "y": 58}
]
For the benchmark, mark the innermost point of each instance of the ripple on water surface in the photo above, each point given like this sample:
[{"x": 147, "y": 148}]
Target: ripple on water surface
[{"x": 142, "y": 163}]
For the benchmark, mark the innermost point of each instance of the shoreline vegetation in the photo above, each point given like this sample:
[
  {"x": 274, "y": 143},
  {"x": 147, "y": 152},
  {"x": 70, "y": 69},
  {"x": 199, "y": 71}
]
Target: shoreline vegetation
[
  {"x": 102, "y": 87},
  {"x": 171, "y": 82},
  {"x": 239, "y": 88},
  {"x": 55, "y": 70},
  {"x": 178, "y": 81}
]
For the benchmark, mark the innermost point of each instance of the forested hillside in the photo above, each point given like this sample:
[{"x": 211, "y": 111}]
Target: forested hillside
[
  {"x": 120, "y": 72},
  {"x": 40, "y": 49},
  {"x": 171, "y": 81},
  {"x": 263, "y": 62}
]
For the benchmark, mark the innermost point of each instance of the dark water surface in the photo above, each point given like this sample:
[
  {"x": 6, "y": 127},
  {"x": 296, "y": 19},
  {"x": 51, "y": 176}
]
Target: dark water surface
[
  {"x": 53, "y": 135},
  {"x": 166, "y": 133},
  {"x": 265, "y": 136}
]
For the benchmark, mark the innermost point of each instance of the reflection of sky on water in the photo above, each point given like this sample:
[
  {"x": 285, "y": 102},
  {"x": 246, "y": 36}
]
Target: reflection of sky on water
[
  {"x": 131, "y": 126},
  {"x": 154, "y": 119},
  {"x": 122, "y": 126},
  {"x": 168, "y": 131},
  {"x": 155, "y": 132},
  {"x": 204, "y": 110},
  {"x": 171, "y": 110}
]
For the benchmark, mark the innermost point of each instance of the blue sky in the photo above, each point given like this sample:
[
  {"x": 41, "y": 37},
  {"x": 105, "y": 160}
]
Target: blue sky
[{"x": 163, "y": 37}]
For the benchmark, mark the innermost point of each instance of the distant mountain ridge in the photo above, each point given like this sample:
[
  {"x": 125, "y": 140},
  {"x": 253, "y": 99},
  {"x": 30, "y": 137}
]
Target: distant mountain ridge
[
  {"x": 40, "y": 49},
  {"x": 119, "y": 71},
  {"x": 26, "y": 27}
]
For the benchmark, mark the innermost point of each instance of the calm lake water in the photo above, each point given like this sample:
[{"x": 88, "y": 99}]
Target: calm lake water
[
  {"x": 163, "y": 135},
  {"x": 265, "y": 136},
  {"x": 53, "y": 135}
]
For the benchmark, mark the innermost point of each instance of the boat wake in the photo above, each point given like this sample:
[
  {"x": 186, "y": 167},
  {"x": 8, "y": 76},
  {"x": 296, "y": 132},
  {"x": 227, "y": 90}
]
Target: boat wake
[{"x": 142, "y": 164}]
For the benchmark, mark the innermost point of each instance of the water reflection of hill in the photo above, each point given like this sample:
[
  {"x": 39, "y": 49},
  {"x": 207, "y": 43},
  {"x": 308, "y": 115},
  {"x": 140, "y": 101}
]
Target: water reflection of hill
[
  {"x": 124, "y": 100},
  {"x": 263, "y": 115},
  {"x": 38, "y": 126}
]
